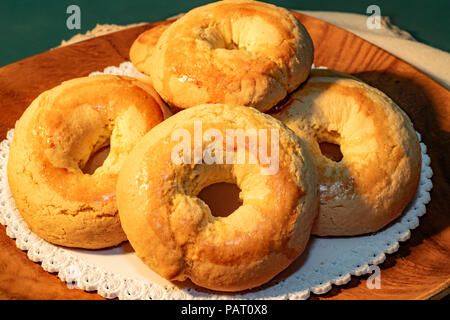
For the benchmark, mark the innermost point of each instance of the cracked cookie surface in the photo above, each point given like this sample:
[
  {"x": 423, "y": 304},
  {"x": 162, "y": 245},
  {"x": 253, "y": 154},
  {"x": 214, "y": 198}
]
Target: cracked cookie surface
[{"x": 237, "y": 52}]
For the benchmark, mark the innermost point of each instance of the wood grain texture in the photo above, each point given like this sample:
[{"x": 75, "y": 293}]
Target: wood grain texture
[{"x": 421, "y": 267}]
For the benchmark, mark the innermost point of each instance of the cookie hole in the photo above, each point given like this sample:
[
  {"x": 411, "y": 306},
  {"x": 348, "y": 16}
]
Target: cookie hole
[
  {"x": 222, "y": 198},
  {"x": 331, "y": 150},
  {"x": 96, "y": 160}
]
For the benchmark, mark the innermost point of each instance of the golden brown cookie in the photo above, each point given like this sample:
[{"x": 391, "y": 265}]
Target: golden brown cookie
[
  {"x": 52, "y": 144},
  {"x": 143, "y": 46},
  {"x": 237, "y": 52},
  {"x": 174, "y": 232},
  {"x": 380, "y": 166}
]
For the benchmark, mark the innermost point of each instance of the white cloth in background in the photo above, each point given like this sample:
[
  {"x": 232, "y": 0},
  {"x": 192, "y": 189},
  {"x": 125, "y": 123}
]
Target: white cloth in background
[{"x": 432, "y": 61}]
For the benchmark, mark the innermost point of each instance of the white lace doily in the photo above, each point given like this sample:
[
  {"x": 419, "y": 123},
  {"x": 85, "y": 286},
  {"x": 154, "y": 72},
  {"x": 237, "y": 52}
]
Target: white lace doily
[{"x": 118, "y": 273}]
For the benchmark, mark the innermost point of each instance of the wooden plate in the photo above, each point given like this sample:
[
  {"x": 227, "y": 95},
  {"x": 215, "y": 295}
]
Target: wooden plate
[{"x": 421, "y": 267}]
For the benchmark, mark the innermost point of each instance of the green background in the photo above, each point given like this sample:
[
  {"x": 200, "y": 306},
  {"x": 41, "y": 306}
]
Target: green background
[{"x": 28, "y": 27}]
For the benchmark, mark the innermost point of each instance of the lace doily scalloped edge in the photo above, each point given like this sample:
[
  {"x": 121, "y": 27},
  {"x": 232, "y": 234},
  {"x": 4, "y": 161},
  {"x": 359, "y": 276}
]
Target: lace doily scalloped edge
[{"x": 79, "y": 274}]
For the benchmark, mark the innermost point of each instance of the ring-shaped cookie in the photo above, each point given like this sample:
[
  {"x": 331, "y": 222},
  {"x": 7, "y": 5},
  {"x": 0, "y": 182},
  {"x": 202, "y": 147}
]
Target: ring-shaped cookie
[
  {"x": 52, "y": 143},
  {"x": 174, "y": 232},
  {"x": 238, "y": 52},
  {"x": 380, "y": 168}
]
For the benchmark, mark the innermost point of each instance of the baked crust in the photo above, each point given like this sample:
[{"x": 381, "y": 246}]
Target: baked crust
[
  {"x": 174, "y": 232},
  {"x": 380, "y": 169},
  {"x": 236, "y": 52},
  {"x": 142, "y": 48},
  {"x": 53, "y": 141}
]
